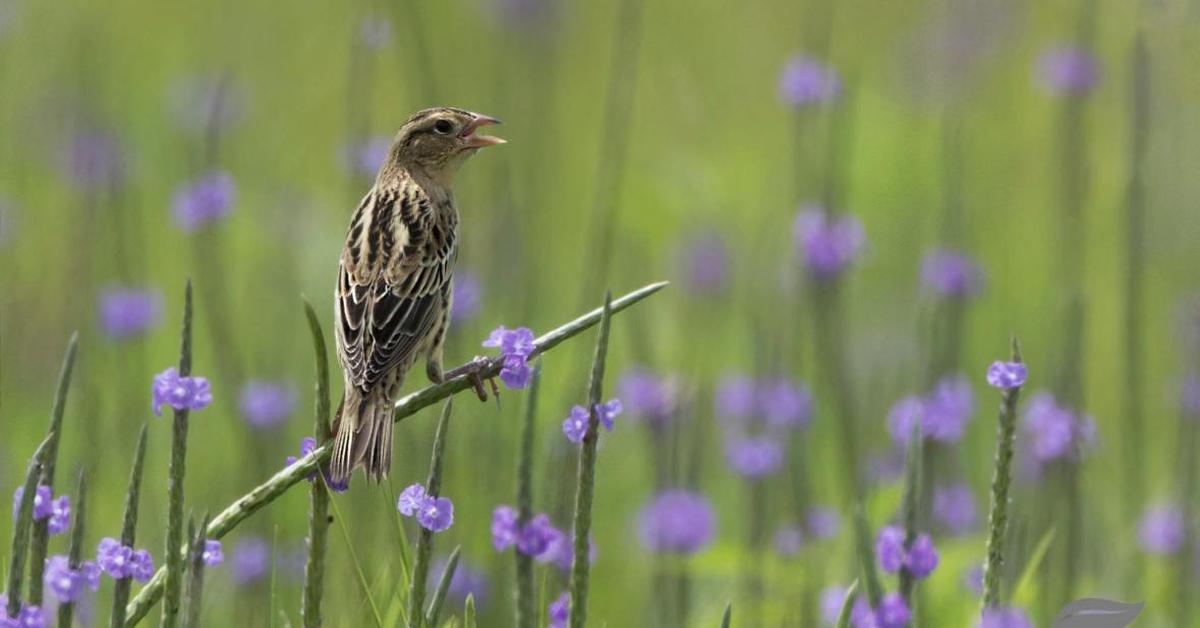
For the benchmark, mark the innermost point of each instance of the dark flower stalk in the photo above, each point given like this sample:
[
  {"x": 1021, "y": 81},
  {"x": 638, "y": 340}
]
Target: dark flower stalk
[
  {"x": 66, "y": 610},
  {"x": 41, "y": 528},
  {"x": 433, "y": 486},
  {"x": 129, "y": 529},
  {"x": 1001, "y": 478},
  {"x": 526, "y": 607},
  {"x": 195, "y": 583},
  {"x": 913, "y": 472},
  {"x": 172, "y": 555},
  {"x": 21, "y": 529},
  {"x": 585, "y": 479},
  {"x": 318, "y": 509},
  {"x": 439, "y": 594},
  {"x": 458, "y": 380}
]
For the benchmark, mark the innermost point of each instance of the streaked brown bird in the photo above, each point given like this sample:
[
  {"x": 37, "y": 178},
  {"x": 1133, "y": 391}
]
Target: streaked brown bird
[{"x": 393, "y": 295}]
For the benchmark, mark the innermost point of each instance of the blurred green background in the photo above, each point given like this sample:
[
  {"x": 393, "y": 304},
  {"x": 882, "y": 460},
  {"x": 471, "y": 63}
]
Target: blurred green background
[{"x": 661, "y": 122}]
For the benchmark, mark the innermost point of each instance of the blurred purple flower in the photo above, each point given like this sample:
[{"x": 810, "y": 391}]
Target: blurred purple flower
[
  {"x": 141, "y": 566},
  {"x": 736, "y": 397},
  {"x": 249, "y": 560},
  {"x": 1056, "y": 432},
  {"x": 28, "y": 617},
  {"x": 375, "y": 32},
  {"x": 436, "y": 514},
  {"x": 206, "y": 103},
  {"x": 505, "y": 527},
  {"x": 954, "y": 508},
  {"x": 67, "y": 583},
  {"x": 575, "y": 426},
  {"x": 516, "y": 372},
  {"x": 789, "y": 539},
  {"x": 535, "y": 536},
  {"x": 951, "y": 274},
  {"x": 266, "y": 404},
  {"x": 1004, "y": 617},
  {"x": 754, "y": 458},
  {"x": 92, "y": 158},
  {"x": 307, "y": 445},
  {"x": 648, "y": 396},
  {"x": 468, "y": 294},
  {"x": 922, "y": 557},
  {"x": 115, "y": 559},
  {"x": 892, "y": 613},
  {"x": 1068, "y": 70},
  {"x": 128, "y": 312},
  {"x": 411, "y": 500},
  {"x": 706, "y": 264},
  {"x": 560, "y": 611},
  {"x": 1162, "y": 530},
  {"x": 212, "y": 554},
  {"x": 1189, "y": 395},
  {"x": 1007, "y": 375},
  {"x": 467, "y": 580},
  {"x": 806, "y": 81},
  {"x": 832, "y": 599},
  {"x": 43, "y": 502},
  {"x": 60, "y": 515},
  {"x": 823, "y": 522},
  {"x": 828, "y": 244},
  {"x": 973, "y": 579},
  {"x": 889, "y": 549},
  {"x": 903, "y": 415},
  {"x": 785, "y": 404},
  {"x": 205, "y": 200},
  {"x": 181, "y": 393},
  {"x": 942, "y": 414},
  {"x": 367, "y": 157},
  {"x": 676, "y": 522},
  {"x": 608, "y": 411}
]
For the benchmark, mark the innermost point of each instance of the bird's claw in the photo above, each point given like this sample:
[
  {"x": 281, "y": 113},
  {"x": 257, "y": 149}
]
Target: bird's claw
[{"x": 474, "y": 370}]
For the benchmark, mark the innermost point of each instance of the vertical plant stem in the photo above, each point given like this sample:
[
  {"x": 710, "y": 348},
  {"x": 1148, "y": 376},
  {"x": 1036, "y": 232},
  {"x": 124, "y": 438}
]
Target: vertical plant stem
[
  {"x": 21, "y": 528},
  {"x": 866, "y": 558},
  {"x": 727, "y": 616},
  {"x": 433, "y": 487},
  {"x": 129, "y": 529},
  {"x": 525, "y": 609},
  {"x": 439, "y": 594},
  {"x": 318, "y": 501},
  {"x": 195, "y": 583},
  {"x": 173, "y": 557},
  {"x": 1001, "y": 478},
  {"x": 40, "y": 543},
  {"x": 66, "y": 610},
  {"x": 831, "y": 354},
  {"x": 843, "y": 618},
  {"x": 913, "y": 471},
  {"x": 585, "y": 483}
]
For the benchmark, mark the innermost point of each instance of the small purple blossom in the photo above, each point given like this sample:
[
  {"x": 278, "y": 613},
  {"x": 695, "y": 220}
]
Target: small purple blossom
[
  {"x": 754, "y": 458},
  {"x": 1068, "y": 70},
  {"x": 954, "y": 508},
  {"x": 266, "y": 404},
  {"x": 43, "y": 505},
  {"x": 1004, "y": 617},
  {"x": 676, "y": 522},
  {"x": 412, "y": 499},
  {"x": 1162, "y": 530},
  {"x": 575, "y": 426},
  {"x": 560, "y": 611},
  {"x": 468, "y": 296},
  {"x": 889, "y": 549},
  {"x": 832, "y": 599},
  {"x": 92, "y": 159},
  {"x": 129, "y": 312},
  {"x": 204, "y": 201},
  {"x": 892, "y": 612},
  {"x": 366, "y": 157},
  {"x": 823, "y": 522},
  {"x": 28, "y": 617},
  {"x": 736, "y": 397},
  {"x": 141, "y": 566},
  {"x": 784, "y": 404},
  {"x": 788, "y": 541},
  {"x": 249, "y": 560},
  {"x": 505, "y": 527},
  {"x": 212, "y": 554},
  {"x": 973, "y": 579},
  {"x": 60, "y": 515},
  {"x": 805, "y": 82},
  {"x": 67, "y": 583},
  {"x": 436, "y": 514},
  {"x": 922, "y": 558},
  {"x": 942, "y": 414},
  {"x": 114, "y": 558},
  {"x": 181, "y": 393},
  {"x": 516, "y": 345},
  {"x": 535, "y": 537},
  {"x": 829, "y": 244},
  {"x": 706, "y": 264},
  {"x": 951, "y": 274},
  {"x": 608, "y": 411},
  {"x": 648, "y": 396},
  {"x": 1007, "y": 375},
  {"x": 1056, "y": 432}
]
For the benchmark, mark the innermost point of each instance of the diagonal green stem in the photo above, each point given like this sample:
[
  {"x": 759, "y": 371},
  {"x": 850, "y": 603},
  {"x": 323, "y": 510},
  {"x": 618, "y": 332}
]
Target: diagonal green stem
[{"x": 21, "y": 530}]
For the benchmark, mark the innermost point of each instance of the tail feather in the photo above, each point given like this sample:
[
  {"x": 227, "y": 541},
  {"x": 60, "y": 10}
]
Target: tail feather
[{"x": 364, "y": 436}]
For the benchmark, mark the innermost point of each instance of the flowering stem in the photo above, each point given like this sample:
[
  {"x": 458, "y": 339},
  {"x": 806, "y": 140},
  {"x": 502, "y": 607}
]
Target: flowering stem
[
  {"x": 586, "y": 476},
  {"x": 913, "y": 471},
  {"x": 439, "y": 594},
  {"x": 20, "y": 542},
  {"x": 66, "y": 609},
  {"x": 195, "y": 585},
  {"x": 129, "y": 528},
  {"x": 173, "y": 557},
  {"x": 318, "y": 510},
  {"x": 998, "y": 516},
  {"x": 526, "y": 611},
  {"x": 407, "y": 406},
  {"x": 41, "y": 529},
  {"x": 843, "y": 618},
  {"x": 433, "y": 486}
]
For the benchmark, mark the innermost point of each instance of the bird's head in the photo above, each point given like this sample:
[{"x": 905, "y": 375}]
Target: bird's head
[{"x": 437, "y": 141}]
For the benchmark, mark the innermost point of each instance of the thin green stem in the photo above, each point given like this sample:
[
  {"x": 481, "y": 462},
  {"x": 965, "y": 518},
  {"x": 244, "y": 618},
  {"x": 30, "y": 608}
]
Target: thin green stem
[
  {"x": 433, "y": 487},
  {"x": 843, "y": 618},
  {"x": 195, "y": 581},
  {"x": 914, "y": 463},
  {"x": 21, "y": 529},
  {"x": 443, "y": 587},
  {"x": 66, "y": 610},
  {"x": 998, "y": 516},
  {"x": 526, "y": 612},
  {"x": 179, "y": 428},
  {"x": 129, "y": 528},
  {"x": 318, "y": 511},
  {"x": 866, "y": 558}
]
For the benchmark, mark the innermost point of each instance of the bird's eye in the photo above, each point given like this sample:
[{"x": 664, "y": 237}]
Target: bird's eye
[{"x": 443, "y": 126}]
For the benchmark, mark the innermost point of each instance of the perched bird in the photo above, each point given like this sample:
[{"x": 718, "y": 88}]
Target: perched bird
[{"x": 392, "y": 301}]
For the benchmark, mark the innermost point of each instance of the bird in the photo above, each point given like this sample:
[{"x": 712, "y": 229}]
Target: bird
[{"x": 394, "y": 286}]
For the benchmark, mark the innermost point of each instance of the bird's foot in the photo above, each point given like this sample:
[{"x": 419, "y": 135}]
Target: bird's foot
[{"x": 475, "y": 370}]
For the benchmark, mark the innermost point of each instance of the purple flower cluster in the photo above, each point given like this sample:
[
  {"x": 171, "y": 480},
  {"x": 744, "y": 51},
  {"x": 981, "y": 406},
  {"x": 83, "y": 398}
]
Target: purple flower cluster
[
  {"x": 129, "y": 312},
  {"x": 676, "y": 522},
  {"x": 1068, "y": 70},
  {"x": 67, "y": 583},
  {"x": 516, "y": 345},
  {"x": 45, "y": 506},
  {"x": 920, "y": 559},
  {"x": 1007, "y": 375},
  {"x": 754, "y": 458},
  {"x": 705, "y": 261},
  {"x": 560, "y": 611},
  {"x": 204, "y": 201},
  {"x": 649, "y": 396},
  {"x": 266, "y": 404},
  {"x": 1056, "y": 432},
  {"x": 92, "y": 159},
  {"x": 538, "y": 538},
  {"x": 1004, "y": 617},
  {"x": 122, "y": 561},
  {"x": 250, "y": 560},
  {"x": 951, "y": 274},
  {"x": 891, "y": 613},
  {"x": 212, "y": 554},
  {"x": 28, "y": 617},
  {"x": 307, "y": 445},
  {"x": 468, "y": 295},
  {"x": 941, "y": 415},
  {"x": 181, "y": 393},
  {"x": 828, "y": 243},
  {"x": 433, "y": 513},
  {"x": 575, "y": 426},
  {"x": 1162, "y": 530},
  {"x": 805, "y": 82},
  {"x": 778, "y": 401},
  {"x": 954, "y": 508}
]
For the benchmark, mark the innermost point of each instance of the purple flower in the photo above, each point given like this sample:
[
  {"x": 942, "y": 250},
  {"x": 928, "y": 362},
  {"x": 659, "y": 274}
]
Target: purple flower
[
  {"x": 115, "y": 559},
  {"x": 92, "y": 159},
  {"x": 575, "y": 426},
  {"x": 516, "y": 345},
  {"x": 829, "y": 244},
  {"x": 892, "y": 612},
  {"x": 922, "y": 558},
  {"x": 560, "y": 611},
  {"x": 1004, "y": 617},
  {"x": 249, "y": 560},
  {"x": 28, "y": 617},
  {"x": 806, "y": 81},
  {"x": 60, "y": 515},
  {"x": 942, "y": 414},
  {"x": 1056, "y": 432},
  {"x": 784, "y": 404},
  {"x": 903, "y": 415},
  {"x": 204, "y": 201},
  {"x": 954, "y": 508},
  {"x": 647, "y": 395},
  {"x": 608, "y": 411},
  {"x": 43, "y": 505},
  {"x": 1068, "y": 70},
  {"x": 436, "y": 514},
  {"x": 951, "y": 274},
  {"x": 505, "y": 528},
  {"x": 266, "y": 404},
  {"x": 366, "y": 157},
  {"x": 676, "y": 522},
  {"x": 141, "y": 566},
  {"x": 535, "y": 537},
  {"x": 212, "y": 554},
  {"x": 789, "y": 539},
  {"x": 1162, "y": 530},
  {"x": 129, "y": 312},
  {"x": 60, "y": 579},
  {"x": 736, "y": 397},
  {"x": 181, "y": 393},
  {"x": 412, "y": 499},
  {"x": 559, "y": 551},
  {"x": 516, "y": 372},
  {"x": 1190, "y": 395},
  {"x": 468, "y": 294},
  {"x": 754, "y": 458},
  {"x": 1007, "y": 375},
  {"x": 823, "y": 522},
  {"x": 889, "y": 549},
  {"x": 832, "y": 599},
  {"x": 706, "y": 264},
  {"x": 973, "y": 579}
]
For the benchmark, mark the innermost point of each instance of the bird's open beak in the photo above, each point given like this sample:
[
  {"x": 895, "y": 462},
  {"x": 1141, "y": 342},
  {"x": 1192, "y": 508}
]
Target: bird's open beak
[{"x": 479, "y": 141}]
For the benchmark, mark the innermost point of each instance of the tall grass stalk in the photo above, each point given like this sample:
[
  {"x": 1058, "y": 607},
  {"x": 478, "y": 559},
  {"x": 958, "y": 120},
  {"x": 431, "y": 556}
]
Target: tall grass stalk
[
  {"x": 21, "y": 528},
  {"x": 433, "y": 488},
  {"x": 914, "y": 464},
  {"x": 727, "y": 616},
  {"x": 318, "y": 500},
  {"x": 443, "y": 587},
  {"x": 406, "y": 406},
  {"x": 129, "y": 528},
  {"x": 40, "y": 543},
  {"x": 1006, "y": 425},
  {"x": 526, "y": 613},
  {"x": 66, "y": 610},
  {"x": 195, "y": 581},
  {"x": 179, "y": 429},
  {"x": 843, "y": 618},
  {"x": 866, "y": 558},
  {"x": 586, "y": 476}
]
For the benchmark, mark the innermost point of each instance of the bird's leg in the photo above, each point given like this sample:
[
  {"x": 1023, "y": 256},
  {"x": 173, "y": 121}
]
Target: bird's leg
[{"x": 475, "y": 370}]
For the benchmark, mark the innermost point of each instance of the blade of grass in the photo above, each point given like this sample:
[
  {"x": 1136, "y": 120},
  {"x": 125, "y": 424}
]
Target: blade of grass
[
  {"x": 195, "y": 581},
  {"x": 318, "y": 501},
  {"x": 1025, "y": 591},
  {"x": 866, "y": 558},
  {"x": 728, "y": 615},
  {"x": 469, "y": 611},
  {"x": 21, "y": 529},
  {"x": 174, "y": 559},
  {"x": 129, "y": 528},
  {"x": 843, "y": 618},
  {"x": 66, "y": 610},
  {"x": 433, "y": 487},
  {"x": 439, "y": 595},
  {"x": 362, "y": 578}
]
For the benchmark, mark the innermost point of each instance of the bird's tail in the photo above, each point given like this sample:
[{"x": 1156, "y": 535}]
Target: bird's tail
[{"x": 364, "y": 435}]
